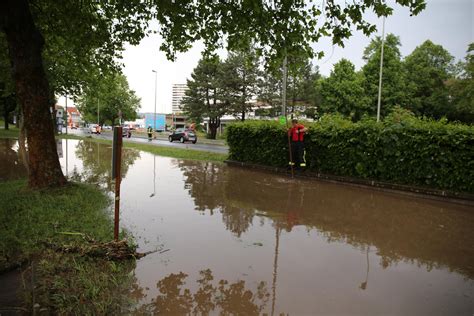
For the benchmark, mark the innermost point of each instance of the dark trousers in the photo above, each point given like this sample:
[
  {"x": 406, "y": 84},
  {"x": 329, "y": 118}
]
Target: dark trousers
[{"x": 297, "y": 152}]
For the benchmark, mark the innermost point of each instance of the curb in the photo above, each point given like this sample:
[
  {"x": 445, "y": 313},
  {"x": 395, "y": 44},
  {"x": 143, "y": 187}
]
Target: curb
[{"x": 426, "y": 193}]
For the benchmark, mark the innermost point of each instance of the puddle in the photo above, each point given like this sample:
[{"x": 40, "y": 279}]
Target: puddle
[{"x": 246, "y": 242}]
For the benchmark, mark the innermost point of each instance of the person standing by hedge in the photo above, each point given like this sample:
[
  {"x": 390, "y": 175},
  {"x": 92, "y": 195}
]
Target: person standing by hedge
[{"x": 296, "y": 133}]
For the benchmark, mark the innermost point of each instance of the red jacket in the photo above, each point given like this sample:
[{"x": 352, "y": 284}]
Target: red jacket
[{"x": 296, "y": 136}]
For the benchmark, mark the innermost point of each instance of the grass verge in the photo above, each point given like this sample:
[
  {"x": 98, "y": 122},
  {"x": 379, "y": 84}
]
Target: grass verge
[
  {"x": 161, "y": 150},
  {"x": 12, "y": 132},
  {"x": 158, "y": 150},
  {"x": 64, "y": 282}
]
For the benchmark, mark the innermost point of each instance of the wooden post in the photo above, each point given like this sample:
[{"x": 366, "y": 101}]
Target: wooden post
[{"x": 117, "y": 175}]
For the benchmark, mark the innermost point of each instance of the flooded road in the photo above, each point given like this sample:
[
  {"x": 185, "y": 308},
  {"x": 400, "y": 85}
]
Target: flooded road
[{"x": 246, "y": 242}]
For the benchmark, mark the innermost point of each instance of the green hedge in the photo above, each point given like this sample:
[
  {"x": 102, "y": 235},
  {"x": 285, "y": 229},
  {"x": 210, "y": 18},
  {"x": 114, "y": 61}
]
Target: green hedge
[{"x": 402, "y": 149}]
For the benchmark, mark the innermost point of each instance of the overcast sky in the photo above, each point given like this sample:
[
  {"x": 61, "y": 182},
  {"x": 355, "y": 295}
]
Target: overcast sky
[{"x": 445, "y": 22}]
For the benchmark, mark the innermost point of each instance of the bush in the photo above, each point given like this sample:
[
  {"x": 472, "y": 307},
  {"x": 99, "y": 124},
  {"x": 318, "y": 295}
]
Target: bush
[{"x": 402, "y": 149}]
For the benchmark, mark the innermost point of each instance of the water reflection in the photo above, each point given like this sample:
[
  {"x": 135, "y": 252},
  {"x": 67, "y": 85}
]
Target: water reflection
[
  {"x": 402, "y": 229},
  {"x": 13, "y": 161},
  {"x": 227, "y": 298},
  {"x": 96, "y": 163}
]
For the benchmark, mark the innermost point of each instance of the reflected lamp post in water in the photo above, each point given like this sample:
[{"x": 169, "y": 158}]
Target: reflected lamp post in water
[
  {"x": 363, "y": 285},
  {"x": 275, "y": 267},
  {"x": 154, "y": 176}
]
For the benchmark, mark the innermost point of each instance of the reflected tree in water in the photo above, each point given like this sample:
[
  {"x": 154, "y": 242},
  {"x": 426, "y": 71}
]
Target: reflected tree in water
[
  {"x": 208, "y": 184},
  {"x": 13, "y": 162},
  {"x": 400, "y": 229},
  {"x": 227, "y": 298},
  {"x": 97, "y": 162}
]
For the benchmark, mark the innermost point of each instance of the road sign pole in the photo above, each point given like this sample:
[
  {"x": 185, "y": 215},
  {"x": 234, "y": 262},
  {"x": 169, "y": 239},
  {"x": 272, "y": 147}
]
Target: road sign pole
[
  {"x": 283, "y": 110},
  {"x": 117, "y": 175}
]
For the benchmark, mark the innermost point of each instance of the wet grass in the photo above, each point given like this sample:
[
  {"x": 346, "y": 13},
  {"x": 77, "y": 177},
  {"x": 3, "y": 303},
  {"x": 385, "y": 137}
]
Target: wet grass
[
  {"x": 12, "y": 132},
  {"x": 31, "y": 221},
  {"x": 161, "y": 150}
]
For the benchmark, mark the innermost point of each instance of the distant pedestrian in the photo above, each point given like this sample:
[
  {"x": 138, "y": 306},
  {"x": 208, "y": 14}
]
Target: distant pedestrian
[
  {"x": 296, "y": 133},
  {"x": 150, "y": 132}
]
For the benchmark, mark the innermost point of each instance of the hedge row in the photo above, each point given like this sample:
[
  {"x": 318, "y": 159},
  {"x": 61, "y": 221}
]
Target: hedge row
[{"x": 402, "y": 149}]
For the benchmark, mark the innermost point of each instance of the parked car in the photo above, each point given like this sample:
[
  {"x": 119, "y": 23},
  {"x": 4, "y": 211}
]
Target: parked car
[
  {"x": 183, "y": 135},
  {"x": 126, "y": 132}
]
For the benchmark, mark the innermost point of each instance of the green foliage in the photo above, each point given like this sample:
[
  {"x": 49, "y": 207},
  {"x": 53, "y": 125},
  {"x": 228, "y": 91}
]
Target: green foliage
[
  {"x": 461, "y": 90},
  {"x": 393, "y": 76},
  {"x": 240, "y": 72},
  {"x": 30, "y": 217},
  {"x": 111, "y": 96},
  {"x": 428, "y": 67},
  {"x": 260, "y": 142},
  {"x": 403, "y": 149},
  {"x": 205, "y": 96},
  {"x": 342, "y": 92},
  {"x": 65, "y": 283}
]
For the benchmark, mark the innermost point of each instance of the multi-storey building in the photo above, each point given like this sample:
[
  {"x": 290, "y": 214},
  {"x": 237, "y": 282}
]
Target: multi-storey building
[{"x": 179, "y": 90}]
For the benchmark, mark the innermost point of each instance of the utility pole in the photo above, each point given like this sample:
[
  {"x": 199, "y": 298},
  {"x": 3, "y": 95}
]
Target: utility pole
[
  {"x": 381, "y": 68},
  {"x": 98, "y": 112},
  {"x": 283, "y": 109},
  {"x": 67, "y": 114},
  {"x": 283, "y": 93},
  {"x": 154, "y": 117}
]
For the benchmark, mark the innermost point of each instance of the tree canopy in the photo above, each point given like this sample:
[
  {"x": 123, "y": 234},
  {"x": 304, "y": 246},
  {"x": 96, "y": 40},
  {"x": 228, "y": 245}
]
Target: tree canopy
[
  {"x": 393, "y": 76},
  {"x": 428, "y": 68},
  {"x": 204, "y": 97},
  {"x": 109, "y": 99},
  {"x": 343, "y": 91}
]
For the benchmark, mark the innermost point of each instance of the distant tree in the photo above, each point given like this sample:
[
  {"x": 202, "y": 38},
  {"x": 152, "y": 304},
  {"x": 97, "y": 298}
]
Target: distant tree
[
  {"x": 428, "y": 68},
  {"x": 204, "y": 96},
  {"x": 240, "y": 73},
  {"x": 343, "y": 91},
  {"x": 302, "y": 94},
  {"x": 301, "y": 85},
  {"x": 269, "y": 93},
  {"x": 393, "y": 76},
  {"x": 112, "y": 97},
  {"x": 8, "y": 104},
  {"x": 461, "y": 90}
]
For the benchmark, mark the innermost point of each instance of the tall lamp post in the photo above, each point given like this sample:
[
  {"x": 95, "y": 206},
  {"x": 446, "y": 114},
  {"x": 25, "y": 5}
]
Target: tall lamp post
[
  {"x": 154, "y": 116},
  {"x": 379, "y": 99},
  {"x": 67, "y": 114},
  {"x": 98, "y": 112}
]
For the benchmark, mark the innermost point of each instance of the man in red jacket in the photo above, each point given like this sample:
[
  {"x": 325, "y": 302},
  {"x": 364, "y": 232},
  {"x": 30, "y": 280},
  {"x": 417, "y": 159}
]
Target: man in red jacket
[{"x": 296, "y": 133}]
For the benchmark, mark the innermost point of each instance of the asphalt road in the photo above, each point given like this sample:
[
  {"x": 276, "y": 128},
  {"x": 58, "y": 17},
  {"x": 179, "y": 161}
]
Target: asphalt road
[{"x": 160, "y": 142}]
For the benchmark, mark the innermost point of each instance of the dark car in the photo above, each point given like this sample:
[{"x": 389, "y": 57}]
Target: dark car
[
  {"x": 183, "y": 135},
  {"x": 126, "y": 132}
]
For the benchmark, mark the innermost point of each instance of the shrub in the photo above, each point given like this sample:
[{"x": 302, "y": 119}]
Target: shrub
[{"x": 402, "y": 149}]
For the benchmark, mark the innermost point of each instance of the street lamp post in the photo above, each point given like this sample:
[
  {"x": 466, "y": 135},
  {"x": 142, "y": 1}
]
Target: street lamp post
[
  {"x": 98, "y": 112},
  {"x": 67, "y": 118},
  {"x": 380, "y": 73},
  {"x": 154, "y": 116}
]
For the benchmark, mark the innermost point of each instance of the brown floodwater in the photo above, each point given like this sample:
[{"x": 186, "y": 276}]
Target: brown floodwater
[{"x": 244, "y": 242}]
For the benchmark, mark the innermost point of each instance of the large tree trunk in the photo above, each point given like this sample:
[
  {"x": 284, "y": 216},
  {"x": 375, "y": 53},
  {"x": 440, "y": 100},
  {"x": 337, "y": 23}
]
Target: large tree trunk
[
  {"x": 25, "y": 44},
  {"x": 6, "y": 116},
  {"x": 214, "y": 123}
]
